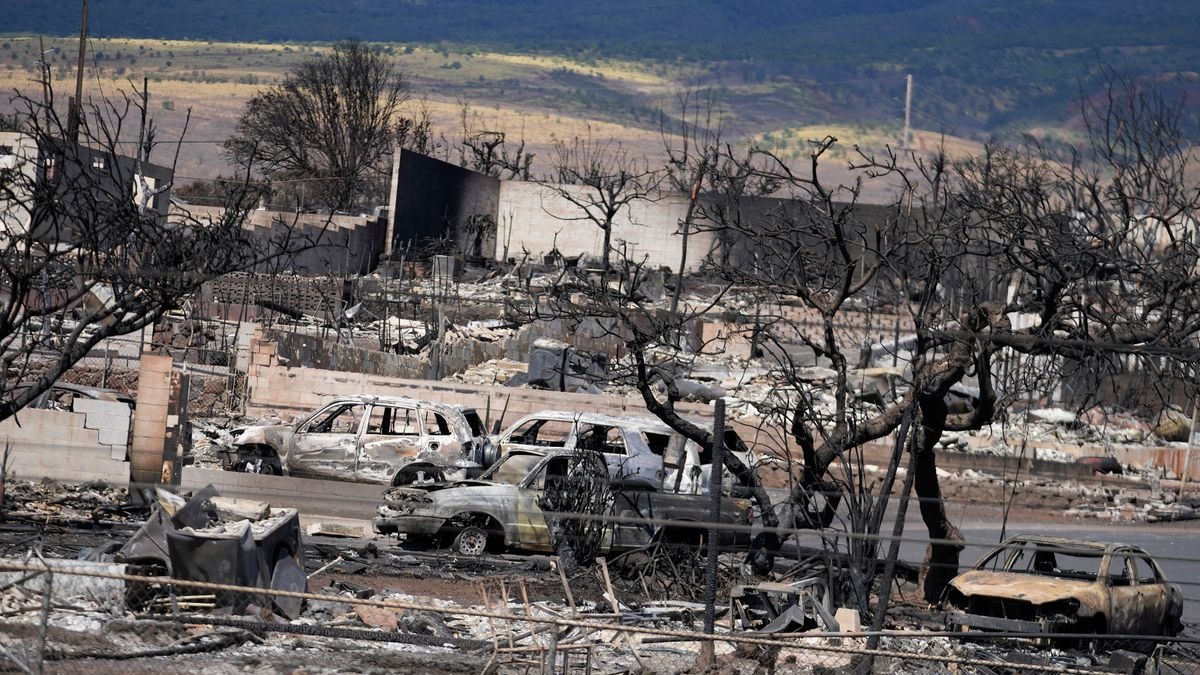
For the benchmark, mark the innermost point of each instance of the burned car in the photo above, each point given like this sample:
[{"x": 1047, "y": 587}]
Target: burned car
[
  {"x": 62, "y": 395},
  {"x": 367, "y": 439},
  {"x": 640, "y": 447},
  {"x": 1046, "y": 585},
  {"x": 501, "y": 510}
]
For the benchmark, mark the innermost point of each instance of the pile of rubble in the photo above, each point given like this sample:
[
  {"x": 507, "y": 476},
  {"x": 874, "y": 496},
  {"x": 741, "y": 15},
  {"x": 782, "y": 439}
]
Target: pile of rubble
[
  {"x": 52, "y": 502},
  {"x": 1073, "y": 498}
]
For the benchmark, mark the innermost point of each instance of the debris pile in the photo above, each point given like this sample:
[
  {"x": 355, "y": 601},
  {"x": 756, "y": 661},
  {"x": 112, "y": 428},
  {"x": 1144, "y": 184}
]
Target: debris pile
[
  {"x": 227, "y": 541},
  {"x": 95, "y": 502}
]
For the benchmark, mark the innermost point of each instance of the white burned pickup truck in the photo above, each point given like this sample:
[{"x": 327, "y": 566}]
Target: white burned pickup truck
[{"x": 501, "y": 509}]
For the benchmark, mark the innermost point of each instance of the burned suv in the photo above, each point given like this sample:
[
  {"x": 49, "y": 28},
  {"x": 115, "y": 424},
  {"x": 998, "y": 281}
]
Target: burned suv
[
  {"x": 367, "y": 439},
  {"x": 1045, "y": 585},
  {"x": 632, "y": 447}
]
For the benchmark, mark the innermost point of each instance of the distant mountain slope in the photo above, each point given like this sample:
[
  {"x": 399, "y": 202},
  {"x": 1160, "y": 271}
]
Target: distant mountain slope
[{"x": 986, "y": 65}]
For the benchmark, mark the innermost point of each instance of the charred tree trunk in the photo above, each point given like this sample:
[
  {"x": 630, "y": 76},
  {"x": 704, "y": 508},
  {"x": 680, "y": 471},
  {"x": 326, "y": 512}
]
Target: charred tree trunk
[
  {"x": 946, "y": 542},
  {"x": 762, "y": 552}
]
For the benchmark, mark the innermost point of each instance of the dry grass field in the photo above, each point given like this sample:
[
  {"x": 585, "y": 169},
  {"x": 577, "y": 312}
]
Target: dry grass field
[{"x": 535, "y": 98}]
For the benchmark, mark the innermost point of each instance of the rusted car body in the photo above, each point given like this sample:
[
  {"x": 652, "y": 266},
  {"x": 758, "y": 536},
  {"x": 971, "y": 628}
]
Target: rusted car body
[
  {"x": 1046, "y": 585},
  {"x": 641, "y": 448},
  {"x": 500, "y": 510},
  {"x": 367, "y": 439}
]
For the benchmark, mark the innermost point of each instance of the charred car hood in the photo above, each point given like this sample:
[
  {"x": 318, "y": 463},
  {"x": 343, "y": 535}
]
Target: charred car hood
[
  {"x": 413, "y": 491},
  {"x": 1030, "y": 588},
  {"x": 272, "y": 434}
]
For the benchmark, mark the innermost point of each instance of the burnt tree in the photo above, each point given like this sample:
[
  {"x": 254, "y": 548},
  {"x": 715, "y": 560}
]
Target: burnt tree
[
  {"x": 87, "y": 251},
  {"x": 985, "y": 282},
  {"x": 322, "y": 134}
]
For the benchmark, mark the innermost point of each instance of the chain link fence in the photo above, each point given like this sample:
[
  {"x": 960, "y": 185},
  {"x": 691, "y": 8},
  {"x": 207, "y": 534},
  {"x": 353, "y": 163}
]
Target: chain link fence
[{"x": 119, "y": 618}]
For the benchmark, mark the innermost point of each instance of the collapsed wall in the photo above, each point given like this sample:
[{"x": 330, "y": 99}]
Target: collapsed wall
[{"x": 85, "y": 445}]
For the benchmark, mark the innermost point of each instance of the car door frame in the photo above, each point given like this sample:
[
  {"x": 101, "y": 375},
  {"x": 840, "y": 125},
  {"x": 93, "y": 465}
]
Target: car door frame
[
  {"x": 294, "y": 457},
  {"x": 393, "y": 467}
]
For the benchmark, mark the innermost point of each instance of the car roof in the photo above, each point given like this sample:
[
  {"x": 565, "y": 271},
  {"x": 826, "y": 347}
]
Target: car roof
[
  {"x": 626, "y": 421},
  {"x": 87, "y": 390},
  {"x": 397, "y": 400},
  {"x": 1063, "y": 542}
]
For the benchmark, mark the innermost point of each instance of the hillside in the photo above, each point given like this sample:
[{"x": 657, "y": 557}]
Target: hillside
[
  {"x": 534, "y": 98},
  {"x": 982, "y": 68}
]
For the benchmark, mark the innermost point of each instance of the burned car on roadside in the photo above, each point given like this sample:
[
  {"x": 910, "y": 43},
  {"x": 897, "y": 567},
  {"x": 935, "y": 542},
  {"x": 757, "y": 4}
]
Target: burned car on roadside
[
  {"x": 503, "y": 508},
  {"x": 1044, "y": 585},
  {"x": 367, "y": 439},
  {"x": 641, "y": 447}
]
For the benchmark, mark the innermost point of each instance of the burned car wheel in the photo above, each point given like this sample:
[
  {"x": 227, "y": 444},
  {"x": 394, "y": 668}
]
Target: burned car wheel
[
  {"x": 267, "y": 466},
  {"x": 471, "y": 541}
]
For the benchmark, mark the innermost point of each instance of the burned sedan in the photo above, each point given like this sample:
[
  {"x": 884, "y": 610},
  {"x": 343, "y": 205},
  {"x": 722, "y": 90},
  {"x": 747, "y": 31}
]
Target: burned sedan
[
  {"x": 502, "y": 509},
  {"x": 1044, "y": 585},
  {"x": 367, "y": 439}
]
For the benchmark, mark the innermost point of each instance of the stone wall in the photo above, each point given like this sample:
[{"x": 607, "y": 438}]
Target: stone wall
[{"x": 459, "y": 352}]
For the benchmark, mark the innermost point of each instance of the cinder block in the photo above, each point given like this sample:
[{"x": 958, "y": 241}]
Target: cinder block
[
  {"x": 111, "y": 436},
  {"x": 108, "y": 423},
  {"x": 91, "y": 406},
  {"x": 149, "y": 428},
  {"x": 151, "y": 411}
]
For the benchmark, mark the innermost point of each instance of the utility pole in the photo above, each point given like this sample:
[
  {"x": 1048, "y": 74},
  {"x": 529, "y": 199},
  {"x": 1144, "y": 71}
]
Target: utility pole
[
  {"x": 75, "y": 108},
  {"x": 904, "y": 142}
]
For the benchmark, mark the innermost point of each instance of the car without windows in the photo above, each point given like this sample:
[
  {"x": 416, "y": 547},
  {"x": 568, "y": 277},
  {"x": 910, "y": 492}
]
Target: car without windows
[
  {"x": 500, "y": 510},
  {"x": 1046, "y": 585},
  {"x": 641, "y": 448},
  {"x": 367, "y": 439}
]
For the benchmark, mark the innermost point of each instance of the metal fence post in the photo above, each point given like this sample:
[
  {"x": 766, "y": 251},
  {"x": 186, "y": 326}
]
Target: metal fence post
[
  {"x": 714, "y": 521},
  {"x": 47, "y": 589}
]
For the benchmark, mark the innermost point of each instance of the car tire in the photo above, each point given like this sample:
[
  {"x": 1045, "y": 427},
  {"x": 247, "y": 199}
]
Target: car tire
[
  {"x": 471, "y": 541},
  {"x": 265, "y": 466}
]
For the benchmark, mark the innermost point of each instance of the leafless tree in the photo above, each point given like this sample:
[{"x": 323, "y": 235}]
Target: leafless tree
[
  {"x": 599, "y": 181},
  {"x": 329, "y": 124},
  {"x": 1067, "y": 270},
  {"x": 487, "y": 150},
  {"x": 581, "y": 487},
  {"x": 86, "y": 250}
]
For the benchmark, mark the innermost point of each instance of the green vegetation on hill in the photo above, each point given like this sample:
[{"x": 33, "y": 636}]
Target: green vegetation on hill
[{"x": 981, "y": 67}]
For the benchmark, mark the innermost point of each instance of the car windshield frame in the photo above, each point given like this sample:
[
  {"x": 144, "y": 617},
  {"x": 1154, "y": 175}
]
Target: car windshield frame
[
  {"x": 1048, "y": 559},
  {"x": 506, "y": 464}
]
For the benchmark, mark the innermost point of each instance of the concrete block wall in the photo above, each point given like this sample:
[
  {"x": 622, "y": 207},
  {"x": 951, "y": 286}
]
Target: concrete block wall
[
  {"x": 111, "y": 421},
  {"x": 59, "y": 445},
  {"x": 459, "y": 354},
  {"x": 287, "y": 391},
  {"x": 328, "y": 498},
  {"x": 150, "y": 420},
  {"x": 343, "y": 244},
  {"x": 536, "y": 218}
]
